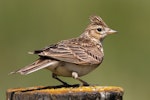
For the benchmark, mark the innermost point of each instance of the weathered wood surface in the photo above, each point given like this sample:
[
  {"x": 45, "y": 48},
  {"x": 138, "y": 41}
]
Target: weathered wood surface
[{"x": 74, "y": 92}]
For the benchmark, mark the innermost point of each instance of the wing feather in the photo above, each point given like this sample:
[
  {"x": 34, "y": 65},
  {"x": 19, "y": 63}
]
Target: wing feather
[{"x": 78, "y": 51}]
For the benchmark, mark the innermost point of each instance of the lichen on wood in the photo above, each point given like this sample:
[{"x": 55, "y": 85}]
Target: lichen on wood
[{"x": 74, "y": 92}]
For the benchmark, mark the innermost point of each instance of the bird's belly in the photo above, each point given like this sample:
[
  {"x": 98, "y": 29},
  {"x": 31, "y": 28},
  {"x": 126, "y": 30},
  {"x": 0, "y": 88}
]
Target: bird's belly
[{"x": 66, "y": 69}]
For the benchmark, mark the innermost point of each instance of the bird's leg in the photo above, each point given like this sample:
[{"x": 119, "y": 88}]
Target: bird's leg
[
  {"x": 55, "y": 77},
  {"x": 75, "y": 75}
]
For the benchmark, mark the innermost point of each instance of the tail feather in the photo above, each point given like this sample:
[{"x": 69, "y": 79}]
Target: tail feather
[{"x": 35, "y": 66}]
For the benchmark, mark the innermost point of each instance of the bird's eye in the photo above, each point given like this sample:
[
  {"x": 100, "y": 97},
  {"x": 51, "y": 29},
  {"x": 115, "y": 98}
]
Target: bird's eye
[{"x": 99, "y": 29}]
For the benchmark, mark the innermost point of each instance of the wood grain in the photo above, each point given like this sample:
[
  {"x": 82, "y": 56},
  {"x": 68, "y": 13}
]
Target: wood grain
[{"x": 73, "y": 92}]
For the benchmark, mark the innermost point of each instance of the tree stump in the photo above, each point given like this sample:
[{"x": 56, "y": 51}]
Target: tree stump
[{"x": 72, "y": 92}]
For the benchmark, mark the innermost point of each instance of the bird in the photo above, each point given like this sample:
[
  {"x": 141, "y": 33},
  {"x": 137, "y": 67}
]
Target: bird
[{"x": 73, "y": 57}]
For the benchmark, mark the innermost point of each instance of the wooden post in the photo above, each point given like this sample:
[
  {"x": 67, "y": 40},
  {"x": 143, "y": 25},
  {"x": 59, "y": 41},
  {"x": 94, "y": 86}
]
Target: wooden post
[{"x": 72, "y": 92}]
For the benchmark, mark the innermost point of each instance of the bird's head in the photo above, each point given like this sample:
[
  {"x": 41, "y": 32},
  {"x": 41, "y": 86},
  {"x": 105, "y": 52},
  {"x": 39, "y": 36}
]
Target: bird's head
[{"x": 97, "y": 29}]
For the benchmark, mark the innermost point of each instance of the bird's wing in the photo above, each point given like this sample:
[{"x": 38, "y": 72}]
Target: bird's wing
[{"x": 73, "y": 51}]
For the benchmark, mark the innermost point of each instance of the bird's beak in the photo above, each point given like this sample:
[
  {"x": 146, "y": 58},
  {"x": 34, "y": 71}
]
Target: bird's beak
[{"x": 110, "y": 31}]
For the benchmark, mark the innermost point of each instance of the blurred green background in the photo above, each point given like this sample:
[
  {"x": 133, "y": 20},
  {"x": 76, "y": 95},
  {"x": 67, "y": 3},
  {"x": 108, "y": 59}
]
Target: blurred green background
[{"x": 26, "y": 25}]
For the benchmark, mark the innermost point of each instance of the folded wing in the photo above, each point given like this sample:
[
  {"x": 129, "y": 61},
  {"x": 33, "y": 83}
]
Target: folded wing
[{"x": 78, "y": 51}]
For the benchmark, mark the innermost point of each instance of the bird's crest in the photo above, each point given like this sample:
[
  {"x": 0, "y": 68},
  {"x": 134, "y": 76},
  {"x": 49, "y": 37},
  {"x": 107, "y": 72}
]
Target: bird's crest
[{"x": 96, "y": 20}]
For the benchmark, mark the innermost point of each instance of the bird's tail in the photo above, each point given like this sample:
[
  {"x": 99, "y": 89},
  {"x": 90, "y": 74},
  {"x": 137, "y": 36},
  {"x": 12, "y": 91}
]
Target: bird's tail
[{"x": 35, "y": 66}]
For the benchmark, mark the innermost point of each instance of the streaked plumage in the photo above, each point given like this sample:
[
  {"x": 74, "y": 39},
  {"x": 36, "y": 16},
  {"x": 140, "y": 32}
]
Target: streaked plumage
[{"x": 74, "y": 57}]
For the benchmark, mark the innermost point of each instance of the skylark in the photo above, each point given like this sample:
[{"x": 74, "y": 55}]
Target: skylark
[{"x": 74, "y": 57}]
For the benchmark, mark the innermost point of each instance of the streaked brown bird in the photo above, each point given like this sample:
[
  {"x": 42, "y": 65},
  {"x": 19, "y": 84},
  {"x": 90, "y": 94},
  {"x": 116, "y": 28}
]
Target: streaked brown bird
[{"x": 74, "y": 57}]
